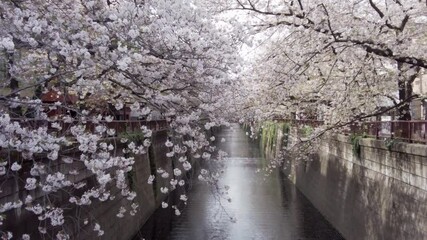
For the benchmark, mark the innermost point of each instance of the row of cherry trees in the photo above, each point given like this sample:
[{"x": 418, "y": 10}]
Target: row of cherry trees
[
  {"x": 343, "y": 61},
  {"x": 169, "y": 58},
  {"x": 340, "y": 61}
]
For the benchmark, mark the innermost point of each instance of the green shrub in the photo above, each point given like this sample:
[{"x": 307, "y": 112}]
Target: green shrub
[
  {"x": 389, "y": 142},
  {"x": 306, "y": 130},
  {"x": 355, "y": 143}
]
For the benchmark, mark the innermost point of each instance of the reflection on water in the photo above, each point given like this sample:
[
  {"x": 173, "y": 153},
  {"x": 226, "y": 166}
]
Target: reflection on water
[{"x": 265, "y": 207}]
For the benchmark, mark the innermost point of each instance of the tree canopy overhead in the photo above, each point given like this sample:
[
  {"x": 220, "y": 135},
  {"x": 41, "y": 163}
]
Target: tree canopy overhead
[
  {"x": 181, "y": 61},
  {"x": 342, "y": 59}
]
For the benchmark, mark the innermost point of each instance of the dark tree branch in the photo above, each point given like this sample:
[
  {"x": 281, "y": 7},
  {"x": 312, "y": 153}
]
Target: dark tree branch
[
  {"x": 369, "y": 46},
  {"x": 300, "y": 5},
  {"x": 404, "y": 22},
  {"x": 378, "y": 49},
  {"x": 380, "y": 13}
]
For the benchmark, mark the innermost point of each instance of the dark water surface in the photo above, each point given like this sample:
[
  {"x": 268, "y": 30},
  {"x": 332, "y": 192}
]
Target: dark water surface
[{"x": 264, "y": 207}]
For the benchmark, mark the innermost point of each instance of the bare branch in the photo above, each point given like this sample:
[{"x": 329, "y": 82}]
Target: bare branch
[{"x": 380, "y": 13}]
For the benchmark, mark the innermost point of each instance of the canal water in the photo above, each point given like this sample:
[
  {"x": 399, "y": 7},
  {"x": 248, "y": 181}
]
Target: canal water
[{"x": 261, "y": 207}]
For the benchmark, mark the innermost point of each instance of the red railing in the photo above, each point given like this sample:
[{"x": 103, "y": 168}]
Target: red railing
[
  {"x": 414, "y": 131},
  {"x": 120, "y": 126}
]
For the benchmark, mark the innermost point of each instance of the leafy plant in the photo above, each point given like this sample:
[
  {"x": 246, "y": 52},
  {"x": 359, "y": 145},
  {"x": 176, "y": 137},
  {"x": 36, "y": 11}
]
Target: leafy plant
[
  {"x": 269, "y": 135},
  {"x": 285, "y": 130},
  {"x": 137, "y": 137},
  {"x": 355, "y": 143},
  {"x": 306, "y": 130},
  {"x": 389, "y": 143}
]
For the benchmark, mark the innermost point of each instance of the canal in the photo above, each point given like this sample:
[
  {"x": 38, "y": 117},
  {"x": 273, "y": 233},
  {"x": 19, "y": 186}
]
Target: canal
[{"x": 264, "y": 207}]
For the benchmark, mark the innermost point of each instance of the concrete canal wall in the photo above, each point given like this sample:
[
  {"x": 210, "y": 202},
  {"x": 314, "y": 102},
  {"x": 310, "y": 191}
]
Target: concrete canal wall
[
  {"x": 374, "y": 191},
  {"x": 148, "y": 198},
  {"x": 380, "y": 193}
]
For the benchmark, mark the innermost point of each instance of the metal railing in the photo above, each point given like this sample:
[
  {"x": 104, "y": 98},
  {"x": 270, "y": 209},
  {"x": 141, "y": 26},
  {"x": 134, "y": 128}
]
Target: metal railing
[
  {"x": 414, "y": 131},
  {"x": 120, "y": 126},
  {"x": 409, "y": 131},
  {"x": 308, "y": 122}
]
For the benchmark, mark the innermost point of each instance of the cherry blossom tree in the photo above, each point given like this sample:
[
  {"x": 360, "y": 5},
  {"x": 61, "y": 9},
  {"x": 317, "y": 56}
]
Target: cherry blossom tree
[
  {"x": 162, "y": 58},
  {"x": 342, "y": 62},
  {"x": 346, "y": 61}
]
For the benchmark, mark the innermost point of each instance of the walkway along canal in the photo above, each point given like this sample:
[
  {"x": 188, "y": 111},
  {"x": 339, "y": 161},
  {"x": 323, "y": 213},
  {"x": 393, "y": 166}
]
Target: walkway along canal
[{"x": 264, "y": 207}]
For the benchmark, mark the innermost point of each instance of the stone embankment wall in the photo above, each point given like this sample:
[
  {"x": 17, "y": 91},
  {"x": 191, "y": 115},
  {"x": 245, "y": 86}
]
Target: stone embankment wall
[
  {"x": 377, "y": 192},
  {"x": 148, "y": 197}
]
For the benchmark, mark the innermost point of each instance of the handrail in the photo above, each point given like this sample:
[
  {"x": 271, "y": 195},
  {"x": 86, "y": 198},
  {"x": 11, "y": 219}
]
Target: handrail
[
  {"x": 412, "y": 131},
  {"x": 119, "y": 126}
]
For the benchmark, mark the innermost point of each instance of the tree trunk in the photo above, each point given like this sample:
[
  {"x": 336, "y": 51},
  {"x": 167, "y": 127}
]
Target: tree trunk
[{"x": 405, "y": 93}]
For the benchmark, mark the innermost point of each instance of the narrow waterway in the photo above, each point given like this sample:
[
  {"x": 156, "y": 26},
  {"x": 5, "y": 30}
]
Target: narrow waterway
[{"x": 264, "y": 207}]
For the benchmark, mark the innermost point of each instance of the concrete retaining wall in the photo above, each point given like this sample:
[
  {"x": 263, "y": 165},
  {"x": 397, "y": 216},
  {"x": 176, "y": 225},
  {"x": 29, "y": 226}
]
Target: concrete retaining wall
[
  {"x": 380, "y": 193},
  {"x": 148, "y": 198}
]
